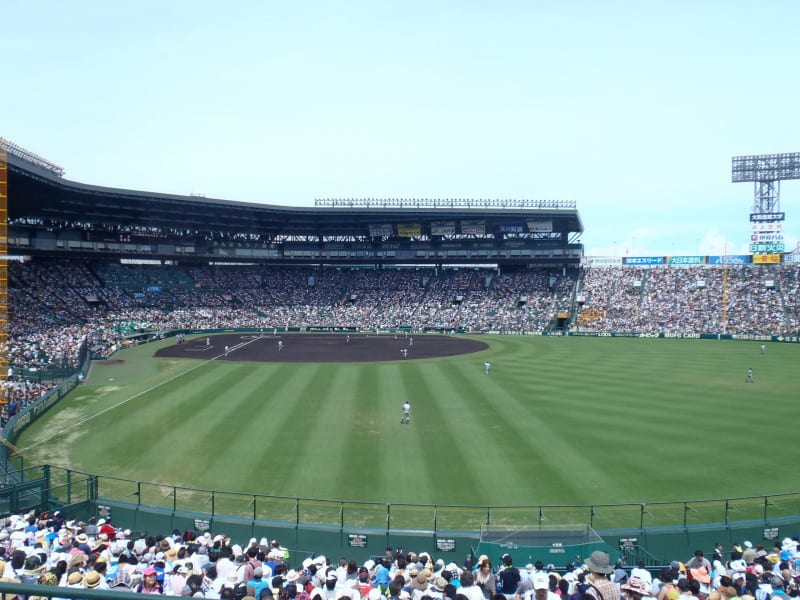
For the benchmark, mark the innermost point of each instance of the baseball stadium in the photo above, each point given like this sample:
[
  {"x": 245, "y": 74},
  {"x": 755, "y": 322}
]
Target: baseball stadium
[{"x": 205, "y": 365}]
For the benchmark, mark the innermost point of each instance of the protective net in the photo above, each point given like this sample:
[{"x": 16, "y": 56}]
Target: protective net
[{"x": 557, "y": 545}]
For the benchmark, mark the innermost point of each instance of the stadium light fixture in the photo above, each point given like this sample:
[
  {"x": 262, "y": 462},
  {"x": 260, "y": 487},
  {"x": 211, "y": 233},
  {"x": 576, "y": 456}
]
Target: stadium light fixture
[{"x": 480, "y": 203}]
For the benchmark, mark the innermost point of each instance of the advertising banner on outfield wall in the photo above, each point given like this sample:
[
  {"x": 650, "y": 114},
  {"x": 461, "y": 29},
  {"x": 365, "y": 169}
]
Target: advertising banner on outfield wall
[
  {"x": 443, "y": 228},
  {"x": 791, "y": 258},
  {"x": 602, "y": 261},
  {"x": 766, "y": 259},
  {"x": 687, "y": 260},
  {"x": 730, "y": 259},
  {"x": 639, "y": 261},
  {"x": 408, "y": 230}
]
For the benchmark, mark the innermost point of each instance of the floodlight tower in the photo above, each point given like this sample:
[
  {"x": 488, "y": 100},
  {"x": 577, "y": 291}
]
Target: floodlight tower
[{"x": 766, "y": 171}]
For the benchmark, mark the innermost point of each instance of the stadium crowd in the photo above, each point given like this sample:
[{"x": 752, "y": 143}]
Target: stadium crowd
[
  {"x": 741, "y": 299},
  {"x": 47, "y": 549},
  {"x": 59, "y": 308}
]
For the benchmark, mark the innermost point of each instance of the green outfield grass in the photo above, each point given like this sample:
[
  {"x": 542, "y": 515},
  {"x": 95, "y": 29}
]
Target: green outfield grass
[{"x": 558, "y": 421}]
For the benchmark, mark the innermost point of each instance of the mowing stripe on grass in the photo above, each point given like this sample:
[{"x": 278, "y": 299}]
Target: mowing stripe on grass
[
  {"x": 559, "y": 420},
  {"x": 121, "y": 403}
]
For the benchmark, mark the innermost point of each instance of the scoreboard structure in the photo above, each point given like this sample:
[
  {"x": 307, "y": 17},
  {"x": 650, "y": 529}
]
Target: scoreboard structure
[{"x": 766, "y": 171}]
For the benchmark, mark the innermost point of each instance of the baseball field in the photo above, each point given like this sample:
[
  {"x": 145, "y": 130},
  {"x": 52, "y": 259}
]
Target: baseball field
[{"x": 557, "y": 420}]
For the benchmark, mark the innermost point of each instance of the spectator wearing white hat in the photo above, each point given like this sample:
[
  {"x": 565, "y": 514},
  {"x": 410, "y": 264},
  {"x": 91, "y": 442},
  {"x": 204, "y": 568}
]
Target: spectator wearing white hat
[
  {"x": 539, "y": 588},
  {"x": 329, "y": 587}
]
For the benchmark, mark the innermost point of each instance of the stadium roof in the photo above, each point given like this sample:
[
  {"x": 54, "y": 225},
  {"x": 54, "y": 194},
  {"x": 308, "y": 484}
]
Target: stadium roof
[{"x": 38, "y": 193}]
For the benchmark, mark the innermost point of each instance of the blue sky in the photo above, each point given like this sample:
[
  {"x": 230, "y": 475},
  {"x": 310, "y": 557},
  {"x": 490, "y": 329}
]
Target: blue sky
[{"x": 632, "y": 109}]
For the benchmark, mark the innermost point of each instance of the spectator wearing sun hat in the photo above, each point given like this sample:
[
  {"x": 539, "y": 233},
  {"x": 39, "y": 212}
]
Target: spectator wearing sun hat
[
  {"x": 599, "y": 585},
  {"x": 121, "y": 581},
  {"x": 82, "y": 543},
  {"x": 635, "y": 588},
  {"x": 93, "y": 580},
  {"x": 702, "y": 576},
  {"x": 419, "y": 585},
  {"x": 74, "y": 579},
  {"x": 436, "y": 588}
]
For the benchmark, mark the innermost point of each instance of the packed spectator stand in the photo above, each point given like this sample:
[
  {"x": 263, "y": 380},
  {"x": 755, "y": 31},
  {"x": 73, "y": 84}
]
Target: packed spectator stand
[
  {"x": 59, "y": 308},
  {"x": 43, "y": 549}
]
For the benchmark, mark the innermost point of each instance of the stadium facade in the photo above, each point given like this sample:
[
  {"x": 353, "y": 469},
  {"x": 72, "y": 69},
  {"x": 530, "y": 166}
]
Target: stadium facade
[{"x": 49, "y": 214}]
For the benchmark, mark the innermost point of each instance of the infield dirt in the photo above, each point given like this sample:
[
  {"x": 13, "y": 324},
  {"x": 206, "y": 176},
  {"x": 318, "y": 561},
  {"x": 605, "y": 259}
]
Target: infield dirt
[{"x": 318, "y": 347}]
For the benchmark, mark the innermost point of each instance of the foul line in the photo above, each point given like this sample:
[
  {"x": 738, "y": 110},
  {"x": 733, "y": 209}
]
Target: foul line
[{"x": 147, "y": 391}]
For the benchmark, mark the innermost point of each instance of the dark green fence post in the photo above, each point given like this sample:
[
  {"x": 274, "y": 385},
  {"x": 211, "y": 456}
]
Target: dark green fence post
[{"x": 48, "y": 492}]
